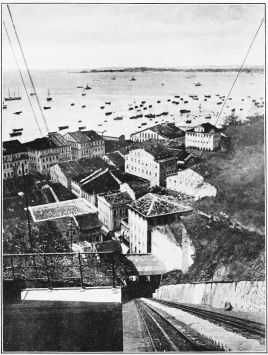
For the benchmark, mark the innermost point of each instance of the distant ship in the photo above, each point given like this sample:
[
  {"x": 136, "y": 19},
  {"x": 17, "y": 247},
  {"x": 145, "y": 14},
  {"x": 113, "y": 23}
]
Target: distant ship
[
  {"x": 198, "y": 84},
  {"x": 11, "y": 98},
  {"x": 118, "y": 118},
  {"x": 17, "y": 129},
  {"x": 4, "y": 105},
  {"x": 48, "y": 96},
  {"x": 63, "y": 127},
  {"x": 132, "y": 79},
  {"x": 87, "y": 87},
  {"x": 15, "y": 134}
]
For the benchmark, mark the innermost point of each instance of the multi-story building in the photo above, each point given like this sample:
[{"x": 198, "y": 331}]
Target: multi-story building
[
  {"x": 97, "y": 143},
  {"x": 152, "y": 161},
  {"x": 112, "y": 208},
  {"x": 86, "y": 144},
  {"x": 190, "y": 182},
  {"x": 43, "y": 153},
  {"x": 64, "y": 172},
  {"x": 204, "y": 137},
  {"x": 14, "y": 155},
  {"x": 155, "y": 227},
  {"x": 80, "y": 145},
  {"x": 65, "y": 153},
  {"x": 165, "y": 132}
]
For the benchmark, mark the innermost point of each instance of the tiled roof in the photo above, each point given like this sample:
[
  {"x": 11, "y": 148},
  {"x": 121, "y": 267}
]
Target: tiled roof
[
  {"x": 81, "y": 168},
  {"x": 154, "y": 148},
  {"x": 103, "y": 183},
  {"x": 58, "y": 139},
  {"x": 79, "y": 137},
  {"x": 13, "y": 147},
  {"x": 207, "y": 126},
  {"x": 41, "y": 144},
  {"x": 117, "y": 159},
  {"x": 92, "y": 135},
  {"x": 118, "y": 198},
  {"x": 62, "y": 192},
  {"x": 152, "y": 205},
  {"x": 88, "y": 221},
  {"x": 167, "y": 130},
  {"x": 172, "y": 195},
  {"x": 127, "y": 178}
]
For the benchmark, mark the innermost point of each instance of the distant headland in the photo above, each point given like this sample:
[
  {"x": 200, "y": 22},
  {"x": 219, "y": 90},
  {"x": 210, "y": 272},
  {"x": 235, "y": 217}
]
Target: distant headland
[{"x": 246, "y": 69}]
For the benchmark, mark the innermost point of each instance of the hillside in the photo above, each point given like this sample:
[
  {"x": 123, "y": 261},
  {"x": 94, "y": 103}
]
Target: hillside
[{"x": 229, "y": 233}]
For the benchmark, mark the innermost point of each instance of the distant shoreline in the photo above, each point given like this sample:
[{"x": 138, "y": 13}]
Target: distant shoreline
[{"x": 256, "y": 69}]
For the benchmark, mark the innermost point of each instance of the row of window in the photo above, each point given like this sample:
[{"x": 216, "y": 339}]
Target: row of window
[
  {"x": 139, "y": 170},
  {"x": 12, "y": 157},
  {"x": 148, "y": 135},
  {"x": 7, "y": 166},
  {"x": 11, "y": 174}
]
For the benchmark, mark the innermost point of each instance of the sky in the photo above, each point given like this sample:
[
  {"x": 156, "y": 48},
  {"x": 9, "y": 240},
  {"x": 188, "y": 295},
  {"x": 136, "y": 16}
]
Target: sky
[{"x": 88, "y": 36}]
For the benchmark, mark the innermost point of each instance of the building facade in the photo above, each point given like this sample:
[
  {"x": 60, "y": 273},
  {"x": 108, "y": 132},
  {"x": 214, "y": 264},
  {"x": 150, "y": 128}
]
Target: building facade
[
  {"x": 97, "y": 143},
  {"x": 43, "y": 153},
  {"x": 203, "y": 137},
  {"x": 65, "y": 153},
  {"x": 14, "y": 155},
  {"x": 80, "y": 145},
  {"x": 112, "y": 208},
  {"x": 153, "y": 162}
]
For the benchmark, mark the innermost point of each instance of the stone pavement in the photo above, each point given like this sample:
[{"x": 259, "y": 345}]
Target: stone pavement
[{"x": 135, "y": 338}]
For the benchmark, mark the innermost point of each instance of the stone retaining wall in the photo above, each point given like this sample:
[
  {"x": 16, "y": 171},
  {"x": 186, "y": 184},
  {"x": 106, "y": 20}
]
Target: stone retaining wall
[{"x": 247, "y": 296}]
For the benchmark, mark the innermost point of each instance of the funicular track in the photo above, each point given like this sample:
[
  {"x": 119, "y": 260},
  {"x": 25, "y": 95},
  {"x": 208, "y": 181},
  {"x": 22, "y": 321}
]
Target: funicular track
[
  {"x": 239, "y": 325},
  {"x": 164, "y": 336}
]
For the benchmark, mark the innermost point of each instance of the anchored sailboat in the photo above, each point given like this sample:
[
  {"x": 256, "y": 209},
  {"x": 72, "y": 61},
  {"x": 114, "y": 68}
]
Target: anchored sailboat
[
  {"x": 14, "y": 97},
  {"x": 48, "y": 96}
]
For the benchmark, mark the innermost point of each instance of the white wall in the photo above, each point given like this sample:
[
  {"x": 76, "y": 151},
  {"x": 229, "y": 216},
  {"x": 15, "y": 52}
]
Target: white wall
[{"x": 138, "y": 227}]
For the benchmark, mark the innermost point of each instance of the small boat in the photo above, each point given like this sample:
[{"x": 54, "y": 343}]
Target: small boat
[
  {"x": 150, "y": 106},
  {"x": 52, "y": 132},
  {"x": 102, "y": 107},
  {"x": 219, "y": 103},
  {"x": 83, "y": 93},
  {"x": 136, "y": 106},
  {"x": 11, "y": 98},
  {"x": 17, "y": 129},
  {"x": 176, "y": 96},
  {"x": 118, "y": 118},
  {"x": 233, "y": 110},
  {"x": 144, "y": 124},
  {"x": 100, "y": 124},
  {"x": 4, "y": 105},
  {"x": 158, "y": 102},
  {"x": 79, "y": 121},
  {"x": 132, "y": 79},
  {"x": 131, "y": 108},
  {"x": 145, "y": 108},
  {"x": 205, "y": 99},
  {"x": 186, "y": 102},
  {"x": 47, "y": 107},
  {"x": 185, "y": 111},
  {"x": 63, "y": 127},
  {"x": 143, "y": 102},
  {"x": 15, "y": 134},
  {"x": 87, "y": 87},
  {"x": 108, "y": 103},
  {"x": 48, "y": 98},
  {"x": 79, "y": 87},
  {"x": 32, "y": 94},
  {"x": 188, "y": 121},
  {"x": 83, "y": 106},
  {"x": 208, "y": 96},
  {"x": 83, "y": 127},
  {"x": 141, "y": 105},
  {"x": 17, "y": 113},
  {"x": 163, "y": 84},
  {"x": 105, "y": 121},
  {"x": 208, "y": 117},
  {"x": 72, "y": 104},
  {"x": 198, "y": 84},
  {"x": 108, "y": 113}
]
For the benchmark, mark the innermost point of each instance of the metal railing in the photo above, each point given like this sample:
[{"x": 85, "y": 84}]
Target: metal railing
[{"x": 51, "y": 267}]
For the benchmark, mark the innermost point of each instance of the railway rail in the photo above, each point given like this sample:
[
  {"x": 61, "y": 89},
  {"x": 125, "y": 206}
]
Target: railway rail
[
  {"x": 239, "y": 325},
  {"x": 164, "y": 336}
]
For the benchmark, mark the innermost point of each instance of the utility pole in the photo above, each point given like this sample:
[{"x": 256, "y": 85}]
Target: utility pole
[{"x": 27, "y": 206}]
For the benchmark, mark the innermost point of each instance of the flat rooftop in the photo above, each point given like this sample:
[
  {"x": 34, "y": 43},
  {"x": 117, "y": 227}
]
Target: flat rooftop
[{"x": 61, "y": 209}]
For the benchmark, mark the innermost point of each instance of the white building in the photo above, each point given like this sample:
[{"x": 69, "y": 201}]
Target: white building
[
  {"x": 165, "y": 132},
  {"x": 204, "y": 137},
  {"x": 152, "y": 161},
  {"x": 14, "y": 155},
  {"x": 191, "y": 183},
  {"x": 155, "y": 227}
]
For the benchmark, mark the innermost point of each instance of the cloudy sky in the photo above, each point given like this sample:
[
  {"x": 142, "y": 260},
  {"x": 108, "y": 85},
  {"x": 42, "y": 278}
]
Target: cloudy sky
[{"x": 87, "y": 36}]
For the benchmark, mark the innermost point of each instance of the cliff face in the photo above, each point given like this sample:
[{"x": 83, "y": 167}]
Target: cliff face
[{"x": 228, "y": 235}]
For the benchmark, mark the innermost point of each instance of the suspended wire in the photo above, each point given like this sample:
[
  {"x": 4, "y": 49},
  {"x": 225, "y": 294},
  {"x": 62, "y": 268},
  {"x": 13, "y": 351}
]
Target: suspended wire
[
  {"x": 230, "y": 91},
  {"x": 28, "y": 71},
  {"x": 22, "y": 79}
]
